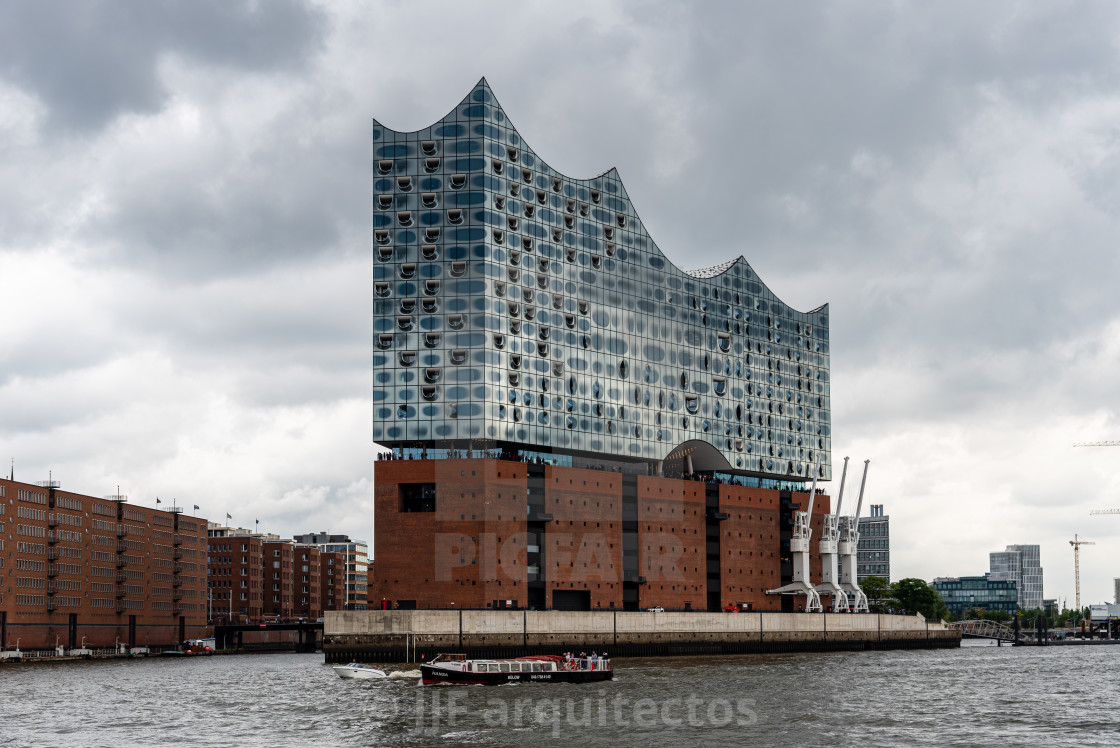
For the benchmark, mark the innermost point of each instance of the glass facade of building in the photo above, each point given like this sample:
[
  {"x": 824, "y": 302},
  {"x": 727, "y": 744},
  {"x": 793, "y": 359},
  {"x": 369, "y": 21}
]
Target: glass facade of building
[
  {"x": 514, "y": 305},
  {"x": 962, "y": 593},
  {"x": 1022, "y": 565},
  {"x": 874, "y": 556}
]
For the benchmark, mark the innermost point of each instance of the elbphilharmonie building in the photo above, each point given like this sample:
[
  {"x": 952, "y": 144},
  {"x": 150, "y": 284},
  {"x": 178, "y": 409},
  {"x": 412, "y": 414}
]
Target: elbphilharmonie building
[
  {"x": 516, "y": 307},
  {"x": 574, "y": 421}
]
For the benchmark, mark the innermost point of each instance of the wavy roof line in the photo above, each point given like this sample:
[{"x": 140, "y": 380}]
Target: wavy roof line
[{"x": 707, "y": 273}]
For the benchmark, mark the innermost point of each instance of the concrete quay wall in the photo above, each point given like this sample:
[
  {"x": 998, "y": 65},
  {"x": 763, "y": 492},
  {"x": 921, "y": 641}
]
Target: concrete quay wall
[{"x": 406, "y": 635}]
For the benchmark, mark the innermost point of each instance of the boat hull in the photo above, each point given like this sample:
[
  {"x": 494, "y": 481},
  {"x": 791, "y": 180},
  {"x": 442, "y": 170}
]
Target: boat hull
[
  {"x": 432, "y": 675},
  {"x": 360, "y": 673}
]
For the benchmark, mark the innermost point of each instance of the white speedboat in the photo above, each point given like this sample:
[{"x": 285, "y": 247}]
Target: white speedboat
[{"x": 359, "y": 670}]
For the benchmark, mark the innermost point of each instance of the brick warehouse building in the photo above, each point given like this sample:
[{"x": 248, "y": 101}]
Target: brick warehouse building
[
  {"x": 235, "y": 575},
  {"x": 597, "y": 540},
  {"x": 353, "y": 574},
  {"x": 255, "y": 576},
  {"x": 77, "y": 569},
  {"x": 526, "y": 321},
  {"x": 332, "y": 580}
]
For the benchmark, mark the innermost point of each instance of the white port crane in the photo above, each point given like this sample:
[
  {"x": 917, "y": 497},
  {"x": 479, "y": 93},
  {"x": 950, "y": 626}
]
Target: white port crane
[
  {"x": 849, "y": 552},
  {"x": 799, "y": 550},
  {"x": 1077, "y": 543},
  {"x": 829, "y": 548}
]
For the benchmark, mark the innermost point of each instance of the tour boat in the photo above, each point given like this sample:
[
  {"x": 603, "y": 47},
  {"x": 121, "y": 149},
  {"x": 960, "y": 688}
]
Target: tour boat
[
  {"x": 193, "y": 647},
  {"x": 457, "y": 669},
  {"x": 359, "y": 670}
]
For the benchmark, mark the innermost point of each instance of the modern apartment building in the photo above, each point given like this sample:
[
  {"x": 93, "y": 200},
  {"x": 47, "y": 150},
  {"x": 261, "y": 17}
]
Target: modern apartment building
[
  {"x": 573, "y": 420},
  {"x": 874, "y": 559},
  {"x": 1020, "y": 564},
  {"x": 80, "y": 570}
]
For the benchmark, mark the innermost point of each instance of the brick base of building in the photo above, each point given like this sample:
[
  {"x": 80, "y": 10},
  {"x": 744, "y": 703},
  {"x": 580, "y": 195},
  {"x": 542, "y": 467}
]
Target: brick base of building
[{"x": 487, "y": 533}]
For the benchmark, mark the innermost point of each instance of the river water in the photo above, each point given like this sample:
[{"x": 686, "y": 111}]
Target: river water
[{"x": 974, "y": 695}]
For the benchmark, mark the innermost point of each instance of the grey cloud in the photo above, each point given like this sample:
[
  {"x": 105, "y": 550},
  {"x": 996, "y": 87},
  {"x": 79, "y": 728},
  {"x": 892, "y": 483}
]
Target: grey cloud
[
  {"x": 945, "y": 175},
  {"x": 90, "y": 61}
]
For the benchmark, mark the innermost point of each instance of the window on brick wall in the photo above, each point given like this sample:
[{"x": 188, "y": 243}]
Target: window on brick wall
[{"x": 418, "y": 497}]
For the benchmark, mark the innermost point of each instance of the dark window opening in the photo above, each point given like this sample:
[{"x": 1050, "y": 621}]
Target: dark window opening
[{"x": 418, "y": 497}]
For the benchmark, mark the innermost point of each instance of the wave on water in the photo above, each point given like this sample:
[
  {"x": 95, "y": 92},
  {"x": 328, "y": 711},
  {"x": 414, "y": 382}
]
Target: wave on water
[{"x": 405, "y": 674}]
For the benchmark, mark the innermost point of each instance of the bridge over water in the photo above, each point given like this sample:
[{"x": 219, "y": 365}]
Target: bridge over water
[
  {"x": 301, "y": 636},
  {"x": 1000, "y": 632}
]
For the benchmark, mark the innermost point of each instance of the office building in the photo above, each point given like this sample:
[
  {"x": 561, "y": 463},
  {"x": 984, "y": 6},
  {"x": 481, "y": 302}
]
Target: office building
[
  {"x": 962, "y": 594},
  {"x": 1020, "y": 564},
  {"x": 97, "y": 572},
  {"x": 532, "y": 341},
  {"x": 874, "y": 559}
]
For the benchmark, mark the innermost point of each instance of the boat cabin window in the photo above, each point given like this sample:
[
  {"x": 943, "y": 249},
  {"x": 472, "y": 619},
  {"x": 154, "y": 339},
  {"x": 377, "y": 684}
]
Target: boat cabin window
[
  {"x": 536, "y": 667},
  {"x": 503, "y": 667}
]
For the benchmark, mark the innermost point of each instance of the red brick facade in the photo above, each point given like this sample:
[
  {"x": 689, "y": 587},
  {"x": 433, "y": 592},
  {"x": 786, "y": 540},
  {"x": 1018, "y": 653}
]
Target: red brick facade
[
  {"x": 278, "y": 561},
  {"x": 235, "y": 578},
  {"x": 584, "y": 540},
  {"x": 672, "y": 547},
  {"x": 255, "y": 577},
  {"x": 469, "y": 547},
  {"x": 306, "y": 577},
  {"x": 77, "y": 568},
  {"x": 332, "y": 580}
]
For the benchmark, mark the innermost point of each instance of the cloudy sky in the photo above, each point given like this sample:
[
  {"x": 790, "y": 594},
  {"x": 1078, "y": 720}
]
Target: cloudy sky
[{"x": 185, "y": 238}]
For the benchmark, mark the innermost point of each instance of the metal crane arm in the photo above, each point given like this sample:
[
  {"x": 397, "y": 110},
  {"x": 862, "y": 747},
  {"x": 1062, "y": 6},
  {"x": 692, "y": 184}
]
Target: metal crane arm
[
  {"x": 840, "y": 498},
  {"x": 812, "y": 496},
  {"x": 862, "y": 484}
]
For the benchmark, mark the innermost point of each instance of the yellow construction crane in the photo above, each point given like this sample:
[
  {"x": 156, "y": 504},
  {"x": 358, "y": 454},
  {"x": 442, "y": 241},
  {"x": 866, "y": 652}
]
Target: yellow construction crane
[{"x": 1077, "y": 543}]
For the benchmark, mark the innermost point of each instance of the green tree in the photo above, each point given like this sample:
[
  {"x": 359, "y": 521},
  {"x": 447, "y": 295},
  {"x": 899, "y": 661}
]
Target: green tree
[
  {"x": 878, "y": 591},
  {"x": 1028, "y": 619},
  {"x": 974, "y": 614},
  {"x": 916, "y": 596}
]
